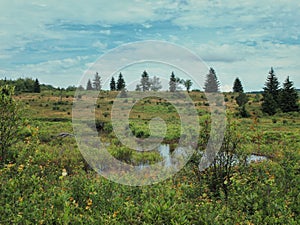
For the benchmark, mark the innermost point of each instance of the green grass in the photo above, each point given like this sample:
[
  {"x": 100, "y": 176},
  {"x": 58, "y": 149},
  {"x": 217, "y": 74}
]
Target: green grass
[{"x": 33, "y": 189}]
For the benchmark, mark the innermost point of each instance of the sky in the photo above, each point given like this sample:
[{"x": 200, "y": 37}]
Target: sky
[{"x": 58, "y": 41}]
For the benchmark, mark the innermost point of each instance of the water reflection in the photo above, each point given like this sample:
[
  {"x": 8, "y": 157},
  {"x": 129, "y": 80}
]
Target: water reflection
[{"x": 170, "y": 152}]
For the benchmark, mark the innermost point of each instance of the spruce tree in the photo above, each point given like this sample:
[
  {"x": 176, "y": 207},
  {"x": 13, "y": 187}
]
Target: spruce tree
[
  {"x": 97, "y": 82},
  {"x": 37, "y": 88},
  {"x": 288, "y": 97},
  {"x": 145, "y": 81},
  {"x": 211, "y": 84},
  {"x": 270, "y": 103},
  {"x": 237, "y": 86},
  {"x": 120, "y": 83},
  {"x": 172, "y": 83},
  {"x": 112, "y": 84},
  {"x": 89, "y": 85}
]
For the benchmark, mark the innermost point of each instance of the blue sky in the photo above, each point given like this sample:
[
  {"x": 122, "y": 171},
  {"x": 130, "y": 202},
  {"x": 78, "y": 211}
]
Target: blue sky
[{"x": 56, "y": 41}]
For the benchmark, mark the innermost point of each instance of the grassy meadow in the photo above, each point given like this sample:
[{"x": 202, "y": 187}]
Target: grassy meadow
[{"x": 49, "y": 182}]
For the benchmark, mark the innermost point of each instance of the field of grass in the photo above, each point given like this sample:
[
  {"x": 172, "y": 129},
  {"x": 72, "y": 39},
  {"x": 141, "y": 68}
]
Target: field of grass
[{"x": 48, "y": 181}]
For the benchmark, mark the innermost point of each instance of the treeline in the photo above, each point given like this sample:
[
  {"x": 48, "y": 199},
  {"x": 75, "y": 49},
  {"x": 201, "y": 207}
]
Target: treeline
[
  {"x": 23, "y": 85},
  {"x": 275, "y": 98},
  {"x": 29, "y": 85}
]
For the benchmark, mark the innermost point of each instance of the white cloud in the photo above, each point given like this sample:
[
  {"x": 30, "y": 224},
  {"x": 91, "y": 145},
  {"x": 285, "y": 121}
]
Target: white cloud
[
  {"x": 107, "y": 32},
  {"x": 218, "y": 31},
  {"x": 221, "y": 52},
  {"x": 99, "y": 45}
]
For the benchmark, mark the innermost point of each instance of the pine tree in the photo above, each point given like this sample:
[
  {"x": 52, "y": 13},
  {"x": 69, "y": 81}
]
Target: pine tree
[
  {"x": 272, "y": 85},
  {"x": 270, "y": 103},
  {"x": 97, "y": 82},
  {"x": 237, "y": 86},
  {"x": 37, "y": 88},
  {"x": 112, "y": 84},
  {"x": 89, "y": 85},
  {"x": 172, "y": 83},
  {"x": 120, "y": 83},
  {"x": 288, "y": 97},
  {"x": 211, "y": 84},
  {"x": 145, "y": 81}
]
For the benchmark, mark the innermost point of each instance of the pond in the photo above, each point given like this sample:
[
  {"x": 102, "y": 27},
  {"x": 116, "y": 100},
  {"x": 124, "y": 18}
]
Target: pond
[{"x": 167, "y": 152}]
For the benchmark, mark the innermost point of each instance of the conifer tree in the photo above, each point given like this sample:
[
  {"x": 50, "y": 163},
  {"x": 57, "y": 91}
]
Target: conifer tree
[
  {"x": 97, "y": 82},
  {"x": 120, "y": 83},
  {"x": 172, "y": 83},
  {"x": 211, "y": 84},
  {"x": 145, "y": 81},
  {"x": 288, "y": 97},
  {"x": 37, "y": 88},
  {"x": 270, "y": 103},
  {"x": 112, "y": 84},
  {"x": 89, "y": 85},
  {"x": 237, "y": 86}
]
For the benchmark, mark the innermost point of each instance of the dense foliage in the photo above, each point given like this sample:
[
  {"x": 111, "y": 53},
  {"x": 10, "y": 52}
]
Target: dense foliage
[
  {"x": 10, "y": 122},
  {"x": 24, "y": 85}
]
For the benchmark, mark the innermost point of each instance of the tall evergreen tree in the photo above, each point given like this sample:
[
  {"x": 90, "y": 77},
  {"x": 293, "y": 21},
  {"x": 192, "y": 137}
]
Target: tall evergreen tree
[
  {"x": 288, "y": 97},
  {"x": 89, "y": 85},
  {"x": 271, "y": 94},
  {"x": 211, "y": 84},
  {"x": 272, "y": 85},
  {"x": 120, "y": 83},
  {"x": 37, "y": 88},
  {"x": 172, "y": 83},
  {"x": 145, "y": 81},
  {"x": 237, "y": 86},
  {"x": 112, "y": 84},
  {"x": 97, "y": 82}
]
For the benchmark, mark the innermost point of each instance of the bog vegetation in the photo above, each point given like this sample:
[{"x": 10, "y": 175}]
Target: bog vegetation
[{"x": 45, "y": 179}]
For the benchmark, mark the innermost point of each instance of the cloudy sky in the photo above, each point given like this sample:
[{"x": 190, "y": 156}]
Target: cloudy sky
[{"x": 57, "y": 41}]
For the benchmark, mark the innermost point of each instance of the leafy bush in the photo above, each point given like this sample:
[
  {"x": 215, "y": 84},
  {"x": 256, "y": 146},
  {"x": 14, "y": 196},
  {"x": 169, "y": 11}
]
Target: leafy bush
[{"x": 10, "y": 121}]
